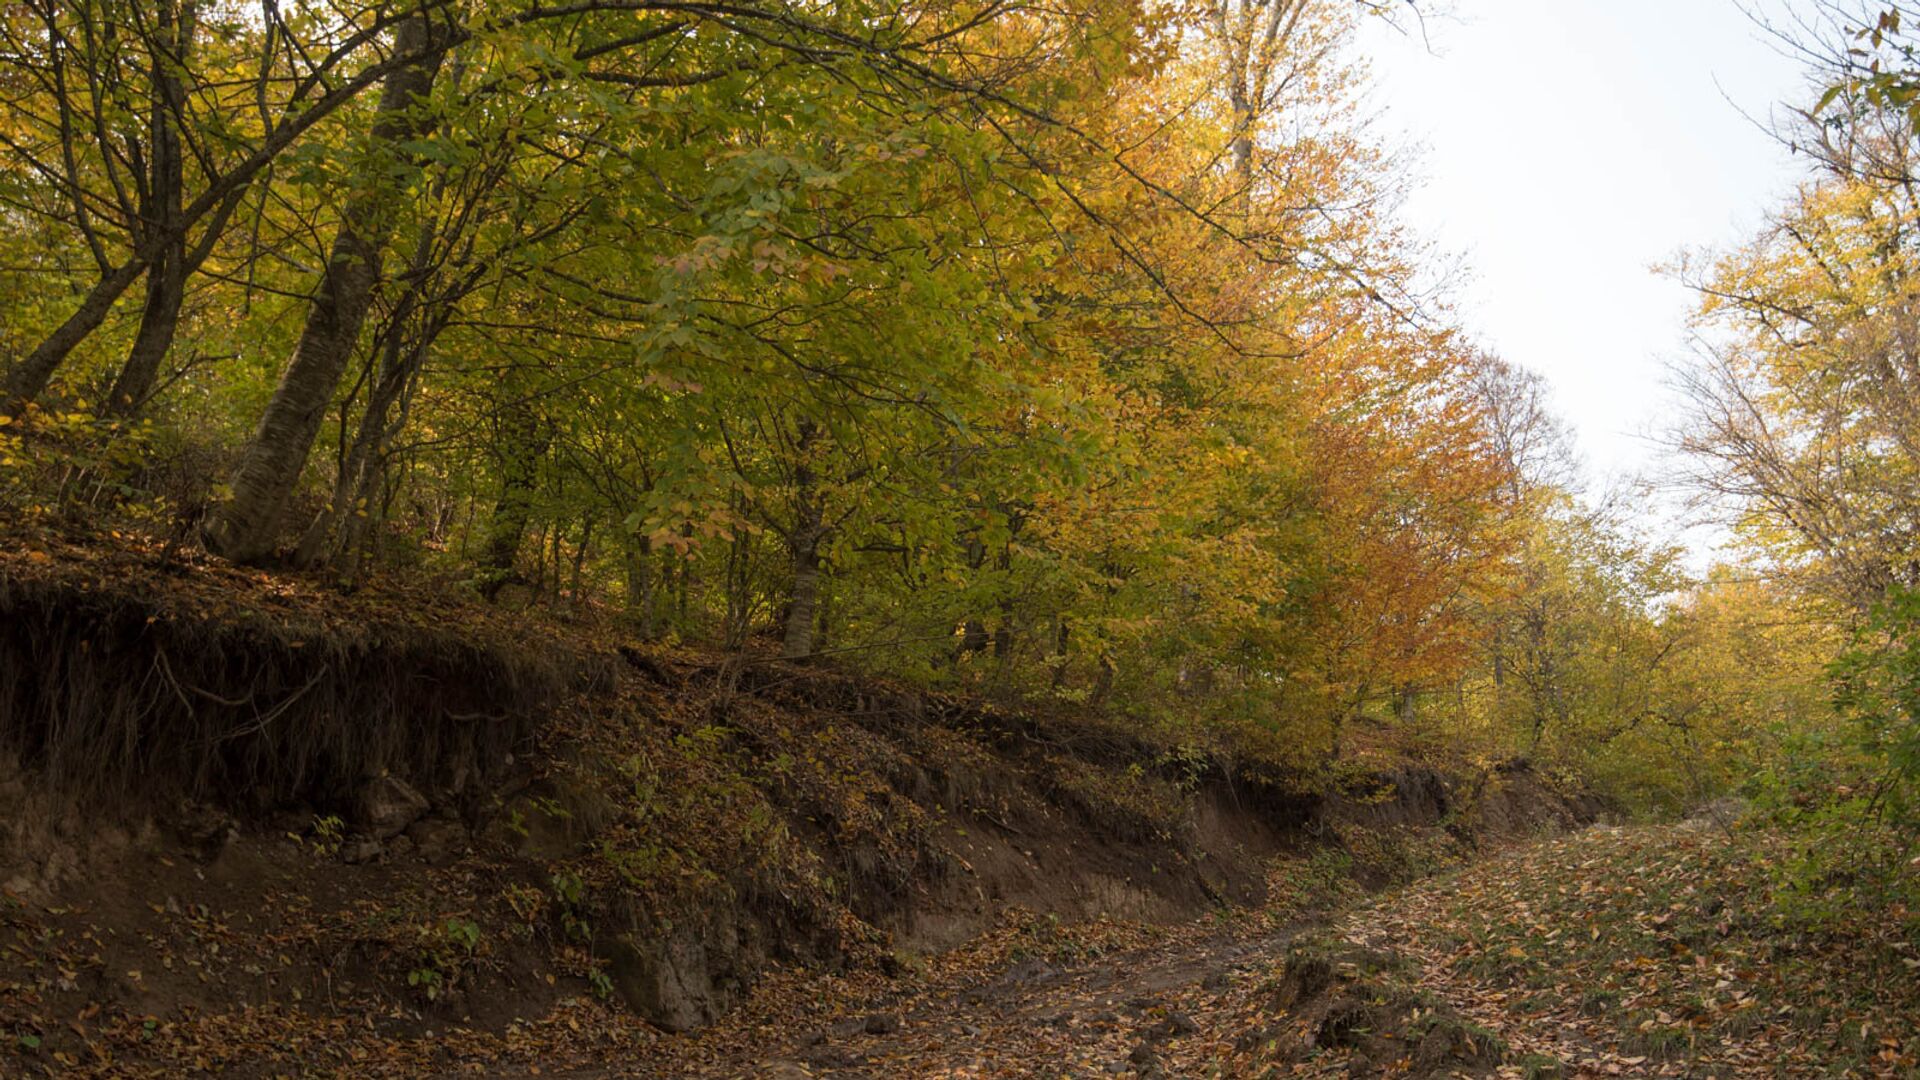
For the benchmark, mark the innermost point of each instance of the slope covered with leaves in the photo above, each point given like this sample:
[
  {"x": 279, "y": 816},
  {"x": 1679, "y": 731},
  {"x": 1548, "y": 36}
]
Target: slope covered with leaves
[{"x": 1668, "y": 950}]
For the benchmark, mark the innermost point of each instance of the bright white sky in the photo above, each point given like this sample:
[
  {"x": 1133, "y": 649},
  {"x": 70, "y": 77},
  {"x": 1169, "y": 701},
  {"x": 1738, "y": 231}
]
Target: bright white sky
[{"x": 1566, "y": 147}]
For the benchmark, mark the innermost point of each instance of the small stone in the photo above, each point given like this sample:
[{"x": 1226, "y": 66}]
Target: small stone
[
  {"x": 361, "y": 849},
  {"x": 439, "y": 840},
  {"x": 386, "y": 805}
]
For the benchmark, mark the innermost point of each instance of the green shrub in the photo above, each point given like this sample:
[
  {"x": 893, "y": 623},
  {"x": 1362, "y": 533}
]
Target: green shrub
[{"x": 1852, "y": 793}]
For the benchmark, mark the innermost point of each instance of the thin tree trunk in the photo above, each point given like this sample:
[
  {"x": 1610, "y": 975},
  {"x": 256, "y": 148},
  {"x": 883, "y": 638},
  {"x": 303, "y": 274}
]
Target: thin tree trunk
[
  {"x": 401, "y": 357},
  {"x": 245, "y": 527},
  {"x": 973, "y": 632},
  {"x": 823, "y": 617},
  {"x": 640, "y": 586},
  {"x": 166, "y": 186},
  {"x": 682, "y": 582},
  {"x": 29, "y": 377},
  {"x": 551, "y": 589},
  {"x": 519, "y": 469},
  {"x": 1102, "y": 681},
  {"x": 736, "y": 629},
  {"x": 580, "y": 560},
  {"x": 803, "y": 548},
  {"x": 1003, "y": 634},
  {"x": 159, "y": 319}
]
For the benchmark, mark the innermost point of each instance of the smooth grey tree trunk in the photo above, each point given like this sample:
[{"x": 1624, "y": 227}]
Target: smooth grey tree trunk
[{"x": 246, "y": 526}]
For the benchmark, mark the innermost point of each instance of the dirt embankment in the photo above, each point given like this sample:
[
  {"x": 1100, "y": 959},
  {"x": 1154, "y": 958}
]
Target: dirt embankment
[{"x": 243, "y": 811}]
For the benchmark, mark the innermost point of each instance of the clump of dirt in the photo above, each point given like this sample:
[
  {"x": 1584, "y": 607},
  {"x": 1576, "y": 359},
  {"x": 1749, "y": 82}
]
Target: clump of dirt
[{"x": 1334, "y": 998}]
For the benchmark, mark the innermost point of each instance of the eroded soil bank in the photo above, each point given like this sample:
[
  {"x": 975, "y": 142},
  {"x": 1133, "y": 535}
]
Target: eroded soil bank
[{"x": 250, "y": 826}]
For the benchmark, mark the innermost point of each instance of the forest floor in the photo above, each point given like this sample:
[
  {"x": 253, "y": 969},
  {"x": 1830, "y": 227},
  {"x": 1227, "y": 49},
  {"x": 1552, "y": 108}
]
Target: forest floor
[
  {"x": 1642, "y": 951},
  {"x": 1648, "y": 951}
]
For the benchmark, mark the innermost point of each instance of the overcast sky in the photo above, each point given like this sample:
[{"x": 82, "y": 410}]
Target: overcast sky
[{"x": 1567, "y": 147}]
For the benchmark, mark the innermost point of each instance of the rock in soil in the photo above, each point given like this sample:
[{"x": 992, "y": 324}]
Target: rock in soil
[
  {"x": 438, "y": 840},
  {"x": 386, "y": 805}
]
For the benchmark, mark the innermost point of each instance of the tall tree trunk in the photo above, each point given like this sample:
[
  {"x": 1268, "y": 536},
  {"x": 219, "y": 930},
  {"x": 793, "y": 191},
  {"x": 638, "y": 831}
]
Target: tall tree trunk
[
  {"x": 1102, "y": 681},
  {"x": 580, "y": 561},
  {"x": 327, "y": 536},
  {"x": 159, "y": 318},
  {"x": 804, "y": 603},
  {"x": 245, "y": 527},
  {"x": 521, "y": 447},
  {"x": 352, "y": 514},
  {"x": 803, "y": 544},
  {"x": 682, "y": 580},
  {"x": 166, "y": 185},
  {"x": 973, "y": 632},
  {"x": 640, "y": 587},
  {"x": 402, "y": 354},
  {"x": 1243, "y": 121},
  {"x": 736, "y": 625},
  {"x": 1003, "y": 634}
]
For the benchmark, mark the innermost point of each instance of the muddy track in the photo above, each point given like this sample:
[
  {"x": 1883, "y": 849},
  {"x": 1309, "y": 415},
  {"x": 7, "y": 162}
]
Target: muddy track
[{"x": 1152, "y": 1011}]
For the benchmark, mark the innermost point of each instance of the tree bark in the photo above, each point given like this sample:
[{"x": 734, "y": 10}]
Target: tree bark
[
  {"x": 160, "y": 219},
  {"x": 519, "y": 472},
  {"x": 28, "y": 378},
  {"x": 574, "y": 594},
  {"x": 159, "y": 318},
  {"x": 804, "y": 546},
  {"x": 640, "y": 588},
  {"x": 402, "y": 355},
  {"x": 245, "y": 527}
]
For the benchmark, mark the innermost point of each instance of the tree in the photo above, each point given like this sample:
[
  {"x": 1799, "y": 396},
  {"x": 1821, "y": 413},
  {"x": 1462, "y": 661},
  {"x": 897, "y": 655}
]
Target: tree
[{"x": 246, "y": 526}]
